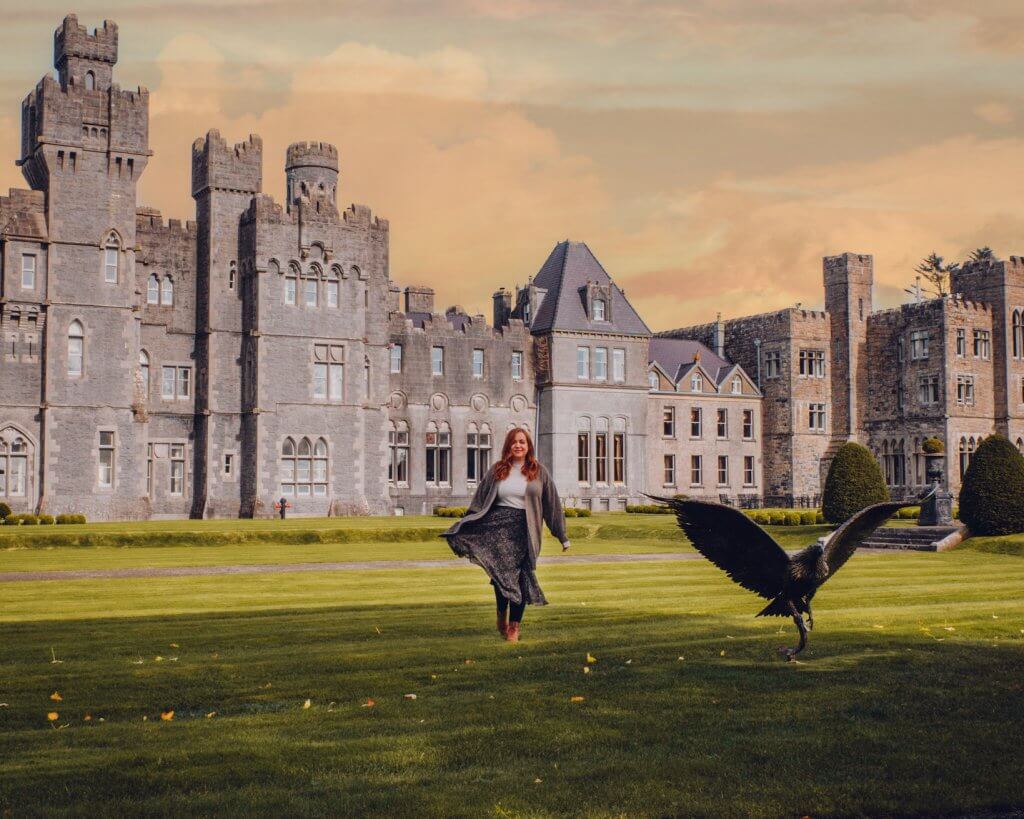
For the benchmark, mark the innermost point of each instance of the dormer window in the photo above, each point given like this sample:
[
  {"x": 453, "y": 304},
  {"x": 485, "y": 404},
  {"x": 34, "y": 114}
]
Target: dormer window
[
  {"x": 652, "y": 380},
  {"x": 737, "y": 385},
  {"x": 599, "y": 310},
  {"x": 697, "y": 382},
  {"x": 526, "y": 313}
]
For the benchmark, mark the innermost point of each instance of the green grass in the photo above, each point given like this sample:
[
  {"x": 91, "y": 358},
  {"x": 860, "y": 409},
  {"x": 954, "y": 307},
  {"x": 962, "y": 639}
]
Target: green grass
[{"x": 907, "y": 701}]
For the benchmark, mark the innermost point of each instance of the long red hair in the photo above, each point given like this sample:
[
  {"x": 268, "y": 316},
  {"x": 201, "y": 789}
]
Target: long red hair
[{"x": 531, "y": 466}]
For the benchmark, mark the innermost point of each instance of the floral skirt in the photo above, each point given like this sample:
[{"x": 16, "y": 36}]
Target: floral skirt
[{"x": 500, "y": 544}]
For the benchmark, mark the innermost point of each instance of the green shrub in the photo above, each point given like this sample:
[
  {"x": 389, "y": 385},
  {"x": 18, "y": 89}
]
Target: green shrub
[
  {"x": 46, "y": 520},
  {"x": 570, "y": 512},
  {"x": 992, "y": 495},
  {"x": 933, "y": 446},
  {"x": 819, "y": 517},
  {"x": 909, "y": 513},
  {"x": 642, "y": 509},
  {"x": 792, "y": 518},
  {"x": 808, "y": 518},
  {"x": 28, "y": 519},
  {"x": 67, "y": 519},
  {"x": 583, "y": 513},
  {"x": 12, "y": 520},
  {"x": 450, "y": 511},
  {"x": 854, "y": 482},
  {"x": 777, "y": 518},
  {"x": 756, "y": 515},
  {"x": 5, "y": 510}
]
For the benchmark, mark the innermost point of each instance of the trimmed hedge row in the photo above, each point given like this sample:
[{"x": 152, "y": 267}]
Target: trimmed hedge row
[
  {"x": 785, "y": 517},
  {"x": 460, "y": 511},
  {"x": 28, "y": 519},
  {"x": 648, "y": 509}
]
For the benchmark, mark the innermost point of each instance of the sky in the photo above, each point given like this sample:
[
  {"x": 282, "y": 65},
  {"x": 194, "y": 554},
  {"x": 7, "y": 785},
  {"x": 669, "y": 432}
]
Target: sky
[{"x": 709, "y": 152}]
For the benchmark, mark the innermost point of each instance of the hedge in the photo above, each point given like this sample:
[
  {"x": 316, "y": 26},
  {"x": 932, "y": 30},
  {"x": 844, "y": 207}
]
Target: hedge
[
  {"x": 854, "y": 482},
  {"x": 46, "y": 520},
  {"x": 992, "y": 494},
  {"x": 577, "y": 512},
  {"x": 5, "y": 510},
  {"x": 68, "y": 519},
  {"x": 648, "y": 509},
  {"x": 450, "y": 511}
]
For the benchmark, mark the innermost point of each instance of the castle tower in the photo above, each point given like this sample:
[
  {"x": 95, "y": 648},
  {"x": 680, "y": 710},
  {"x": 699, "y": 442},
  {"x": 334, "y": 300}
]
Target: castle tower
[
  {"x": 311, "y": 170},
  {"x": 848, "y": 282},
  {"x": 224, "y": 180},
  {"x": 85, "y": 143}
]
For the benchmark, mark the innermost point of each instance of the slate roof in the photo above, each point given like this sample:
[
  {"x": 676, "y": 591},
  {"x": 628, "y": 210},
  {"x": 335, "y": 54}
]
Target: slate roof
[
  {"x": 675, "y": 357},
  {"x": 570, "y": 267},
  {"x": 457, "y": 320}
]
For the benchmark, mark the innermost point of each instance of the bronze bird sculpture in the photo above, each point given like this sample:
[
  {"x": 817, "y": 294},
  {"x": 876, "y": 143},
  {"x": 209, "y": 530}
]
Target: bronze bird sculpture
[{"x": 753, "y": 559}]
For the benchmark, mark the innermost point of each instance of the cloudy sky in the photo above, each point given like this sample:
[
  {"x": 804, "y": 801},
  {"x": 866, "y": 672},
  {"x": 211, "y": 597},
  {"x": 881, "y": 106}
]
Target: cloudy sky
[{"x": 710, "y": 152}]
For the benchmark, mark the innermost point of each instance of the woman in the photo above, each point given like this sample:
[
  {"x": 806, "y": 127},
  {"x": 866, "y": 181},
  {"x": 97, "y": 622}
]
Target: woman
[{"x": 501, "y": 532}]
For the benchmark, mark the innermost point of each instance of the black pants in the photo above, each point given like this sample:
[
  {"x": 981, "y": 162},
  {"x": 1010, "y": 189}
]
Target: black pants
[{"x": 515, "y": 610}]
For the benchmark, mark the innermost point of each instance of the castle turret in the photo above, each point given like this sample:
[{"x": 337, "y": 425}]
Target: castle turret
[
  {"x": 82, "y": 59},
  {"x": 311, "y": 169},
  {"x": 848, "y": 282}
]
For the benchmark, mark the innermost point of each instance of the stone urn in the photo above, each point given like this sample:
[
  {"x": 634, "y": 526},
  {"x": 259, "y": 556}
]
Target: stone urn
[{"x": 937, "y": 510}]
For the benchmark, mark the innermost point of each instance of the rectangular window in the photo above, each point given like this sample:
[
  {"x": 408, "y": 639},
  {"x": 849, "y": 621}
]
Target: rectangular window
[
  {"x": 517, "y": 365},
  {"x": 696, "y": 422},
  {"x": 601, "y": 457},
  {"x": 965, "y": 389},
  {"x": 28, "y": 271},
  {"x": 748, "y": 470},
  {"x": 982, "y": 343},
  {"x": 583, "y": 457},
  {"x": 290, "y": 285},
  {"x": 167, "y": 382},
  {"x": 601, "y": 363},
  {"x": 618, "y": 364},
  {"x": 772, "y": 364},
  {"x": 332, "y": 294},
  {"x": 320, "y": 381},
  {"x": 812, "y": 363},
  {"x": 598, "y": 309},
  {"x": 439, "y": 458},
  {"x": 619, "y": 457},
  {"x": 696, "y": 470},
  {"x": 583, "y": 362},
  {"x": 748, "y": 425},
  {"x": 900, "y": 397},
  {"x": 723, "y": 423},
  {"x": 105, "y": 475},
  {"x": 398, "y": 465},
  {"x": 928, "y": 389},
  {"x": 668, "y": 422},
  {"x": 918, "y": 345},
  {"x": 396, "y": 358},
  {"x": 149, "y": 470},
  {"x": 961, "y": 342},
  {"x": 76, "y": 353},
  {"x": 816, "y": 417},
  {"x": 177, "y": 469},
  {"x": 336, "y": 380},
  {"x": 723, "y": 470},
  {"x": 670, "y": 470},
  {"x": 110, "y": 265},
  {"x": 478, "y": 363},
  {"x": 310, "y": 292},
  {"x": 437, "y": 360},
  {"x": 899, "y": 350},
  {"x": 184, "y": 382},
  {"x": 229, "y": 465}
]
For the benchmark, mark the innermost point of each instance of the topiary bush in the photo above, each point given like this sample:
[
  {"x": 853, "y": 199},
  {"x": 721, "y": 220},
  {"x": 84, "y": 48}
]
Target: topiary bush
[
  {"x": 46, "y": 520},
  {"x": 12, "y": 520},
  {"x": 933, "y": 446},
  {"x": 808, "y": 518},
  {"x": 777, "y": 518},
  {"x": 447, "y": 511},
  {"x": 854, "y": 482},
  {"x": 641, "y": 509},
  {"x": 569, "y": 511},
  {"x": 28, "y": 519},
  {"x": 63, "y": 520},
  {"x": 5, "y": 510},
  {"x": 584, "y": 513},
  {"x": 992, "y": 495},
  {"x": 792, "y": 518}
]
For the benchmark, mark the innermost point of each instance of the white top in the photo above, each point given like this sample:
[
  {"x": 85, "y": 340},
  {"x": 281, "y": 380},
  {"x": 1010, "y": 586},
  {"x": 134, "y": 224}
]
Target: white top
[{"x": 512, "y": 490}]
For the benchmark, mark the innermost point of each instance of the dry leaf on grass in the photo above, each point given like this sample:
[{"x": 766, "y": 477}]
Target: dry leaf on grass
[
  {"x": 211, "y": 715},
  {"x": 576, "y": 699},
  {"x": 53, "y": 716},
  {"x": 410, "y": 696},
  {"x": 369, "y": 703},
  {"x": 56, "y": 697},
  {"x": 591, "y": 658},
  {"x": 168, "y": 715},
  {"x": 306, "y": 704}
]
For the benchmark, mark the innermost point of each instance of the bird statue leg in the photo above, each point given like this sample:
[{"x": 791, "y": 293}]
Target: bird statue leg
[
  {"x": 790, "y": 653},
  {"x": 810, "y": 618}
]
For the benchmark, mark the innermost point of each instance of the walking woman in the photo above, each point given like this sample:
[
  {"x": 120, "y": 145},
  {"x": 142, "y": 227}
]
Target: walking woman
[{"x": 501, "y": 532}]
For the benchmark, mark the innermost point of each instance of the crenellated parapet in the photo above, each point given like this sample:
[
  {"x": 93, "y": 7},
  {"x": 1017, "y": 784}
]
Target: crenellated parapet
[
  {"x": 23, "y": 214},
  {"x": 77, "y": 54},
  {"x": 217, "y": 166}
]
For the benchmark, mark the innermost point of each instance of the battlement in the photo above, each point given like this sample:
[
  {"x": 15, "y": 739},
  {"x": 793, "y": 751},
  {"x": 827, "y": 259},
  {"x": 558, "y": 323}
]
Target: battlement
[
  {"x": 311, "y": 154},
  {"x": 765, "y": 322},
  {"x": 362, "y": 215},
  {"x": 23, "y": 213},
  {"x": 218, "y": 166},
  {"x": 151, "y": 220}
]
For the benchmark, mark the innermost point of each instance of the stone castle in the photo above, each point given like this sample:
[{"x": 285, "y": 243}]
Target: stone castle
[{"x": 156, "y": 368}]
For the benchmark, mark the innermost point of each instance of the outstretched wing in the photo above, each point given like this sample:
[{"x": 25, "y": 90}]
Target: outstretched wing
[
  {"x": 856, "y": 530},
  {"x": 734, "y": 543}
]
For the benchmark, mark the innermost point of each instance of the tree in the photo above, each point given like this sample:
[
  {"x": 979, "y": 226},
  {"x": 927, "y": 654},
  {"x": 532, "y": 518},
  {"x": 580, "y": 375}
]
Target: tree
[
  {"x": 934, "y": 270},
  {"x": 992, "y": 495},
  {"x": 983, "y": 254},
  {"x": 854, "y": 482}
]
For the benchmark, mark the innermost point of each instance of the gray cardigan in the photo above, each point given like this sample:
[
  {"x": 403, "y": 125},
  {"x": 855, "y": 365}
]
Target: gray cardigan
[{"x": 541, "y": 503}]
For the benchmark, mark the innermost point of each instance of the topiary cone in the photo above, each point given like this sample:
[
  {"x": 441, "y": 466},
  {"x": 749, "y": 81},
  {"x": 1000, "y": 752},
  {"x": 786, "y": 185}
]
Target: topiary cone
[
  {"x": 854, "y": 482},
  {"x": 992, "y": 494}
]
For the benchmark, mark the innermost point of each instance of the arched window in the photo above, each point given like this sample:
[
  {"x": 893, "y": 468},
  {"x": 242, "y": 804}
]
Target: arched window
[
  {"x": 153, "y": 290},
  {"x": 90, "y": 81},
  {"x": 697, "y": 382},
  {"x": 167, "y": 291},
  {"x": 583, "y": 451},
  {"x": 333, "y": 288},
  {"x": 1018, "y": 334},
  {"x": 737, "y": 385},
  {"x": 232, "y": 275},
  {"x": 110, "y": 259},
  {"x": 398, "y": 445},
  {"x": 320, "y": 468},
  {"x": 619, "y": 451},
  {"x": 13, "y": 464},
  {"x": 304, "y": 468},
  {"x": 76, "y": 349},
  {"x": 652, "y": 380},
  {"x": 291, "y": 284},
  {"x": 144, "y": 371},
  {"x": 439, "y": 454}
]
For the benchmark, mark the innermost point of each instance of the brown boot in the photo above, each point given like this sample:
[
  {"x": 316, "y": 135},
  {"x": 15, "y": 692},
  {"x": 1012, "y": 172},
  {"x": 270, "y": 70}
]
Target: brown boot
[
  {"x": 503, "y": 624},
  {"x": 512, "y": 634}
]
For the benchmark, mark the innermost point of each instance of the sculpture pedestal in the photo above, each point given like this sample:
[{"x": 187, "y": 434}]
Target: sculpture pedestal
[{"x": 937, "y": 510}]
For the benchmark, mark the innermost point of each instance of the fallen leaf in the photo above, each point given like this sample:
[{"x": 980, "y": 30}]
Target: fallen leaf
[
  {"x": 56, "y": 697},
  {"x": 410, "y": 696},
  {"x": 721, "y": 653},
  {"x": 949, "y": 628},
  {"x": 87, "y": 718},
  {"x": 576, "y": 699},
  {"x": 680, "y": 658},
  {"x": 167, "y": 716},
  {"x": 145, "y": 718},
  {"x": 158, "y": 659},
  {"x": 101, "y": 719},
  {"x": 306, "y": 704},
  {"x": 330, "y": 705},
  {"x": 591, "y": 658},
  {"x": 629, "y": 662},
  {"x": 140, "y": 661},
  {"x": 53, "y": 716},
  {"x": 53, "y": 654},
  {"x": 376, "y": 629},
  {"x": 369, "y": 703},
  {"x": 537, "y": 781},
  {"x": 469, "y": 662},
  {"x": 174, "y": 645},
  {"x": 586, "y": 669},
  {"x": 211, "y": 715}
]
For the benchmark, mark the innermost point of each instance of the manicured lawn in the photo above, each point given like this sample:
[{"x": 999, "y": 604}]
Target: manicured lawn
[{"x": 907, "y": 701}]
